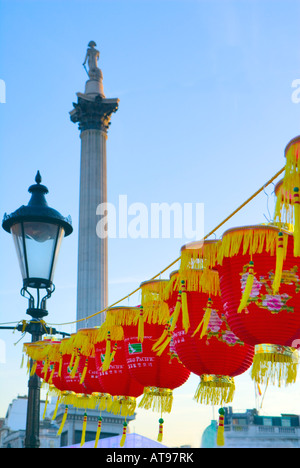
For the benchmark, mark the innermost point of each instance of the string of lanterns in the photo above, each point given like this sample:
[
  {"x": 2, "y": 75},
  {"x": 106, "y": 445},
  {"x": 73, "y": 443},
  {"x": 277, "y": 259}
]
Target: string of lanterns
[{"x": 232, "y": 305}]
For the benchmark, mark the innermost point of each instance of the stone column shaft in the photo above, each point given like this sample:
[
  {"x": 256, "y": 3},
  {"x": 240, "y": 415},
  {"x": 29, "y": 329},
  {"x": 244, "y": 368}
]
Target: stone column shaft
[{"x": 92, "y": 291}]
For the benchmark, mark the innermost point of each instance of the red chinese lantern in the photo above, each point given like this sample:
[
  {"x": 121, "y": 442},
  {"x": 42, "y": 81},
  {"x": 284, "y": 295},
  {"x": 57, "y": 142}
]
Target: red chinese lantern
[
  {"x": 73, "y": 364},
  {"x": 260, "y": 291},
  {"x": 80, "y": 377},
  {"x": 115, "y": 378},
  {"x": 112, "y": 369},
  {"x": 209, "y": 348},
  {"x": 48, "y": 366},
  {"x": 197, "y": 275},
  {"x": 202, "y": 338},
  {"x": 36, "y": 351},
  {"x": 46, "y": 355},
  {"x": 160, "y": 374},
  {"x": 82, "y": 345}
]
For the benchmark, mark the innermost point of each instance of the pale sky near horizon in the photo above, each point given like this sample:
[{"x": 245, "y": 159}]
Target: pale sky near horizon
[{"x": 205, "y": 113}]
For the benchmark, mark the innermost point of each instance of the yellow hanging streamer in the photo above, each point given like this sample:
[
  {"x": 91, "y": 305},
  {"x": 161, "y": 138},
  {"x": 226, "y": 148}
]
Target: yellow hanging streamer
[
  {"x": 205, "y": 321},
  {"x": 45, "y": 368},
  {"x": 279, "y": 264},
  {"x": 76, "y": 364},
  {"x": 60, "y": 366},
  {"x": 141, "y": 325},
  {"x": 160, "y": 431},
  {"x": 259, "y": 389},
  {"x": 184, "y": 307},
  {"x": 28, "y": 366},
  {"x": 162, "y": 337},
  {"x": 220, "y": 432},
  {"x": 84, "y": 371},
  {"x": 163, "y": 341},
  {"x": 56, "y": 408},
  {"x": 176, "y": 312},
  {"x": 22, "y": 362},
  {"x": 296, "y": 222},
  {"x": 51, "y": 375},
  {"x": 164, "y": 345},
  {"x": 45, "y": 408},
  {"x": 248, "y": 288},
  {"x": 72, "y": 360},
  {"x": 83, "y": 430},
  {"x": 63, "y": 420},
  {"x": 107, "y": 357},
  {"x": 33, "y": 369},
  {"x": 123, "y": 438},
  {"x": 98, "y": 431},
  {"x": 113, "y": 352}
]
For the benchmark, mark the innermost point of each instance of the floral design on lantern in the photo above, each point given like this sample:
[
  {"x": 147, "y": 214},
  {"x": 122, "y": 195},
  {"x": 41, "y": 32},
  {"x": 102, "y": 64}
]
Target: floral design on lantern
[
  {"x": 262, "y": 294},
  {"x": 219, "y": 328}
]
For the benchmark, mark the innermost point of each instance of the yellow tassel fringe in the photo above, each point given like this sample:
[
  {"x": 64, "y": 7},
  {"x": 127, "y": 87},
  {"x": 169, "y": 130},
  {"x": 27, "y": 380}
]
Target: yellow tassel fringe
[
  {"x": 123, "y": 405},
  {"x": 155, "y": 310},
  {"x": 275, "y": 365},
  {"x": 157, "y": 399},
  {"x": 200, "y": 255},
  {"x": 119, "y": 316},
  {"x": 206, "y": 281},
  {"x": 215, "y": 390},
  {"x": 251, "y": 240}
]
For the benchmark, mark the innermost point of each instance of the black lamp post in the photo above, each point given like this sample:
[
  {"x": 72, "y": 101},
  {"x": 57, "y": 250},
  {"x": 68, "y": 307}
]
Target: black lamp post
[{"x": 37, "y": 231}]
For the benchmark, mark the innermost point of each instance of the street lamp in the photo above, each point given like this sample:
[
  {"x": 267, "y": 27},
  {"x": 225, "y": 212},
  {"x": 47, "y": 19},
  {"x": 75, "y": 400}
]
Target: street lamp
[{"x": 37, "y": 231}]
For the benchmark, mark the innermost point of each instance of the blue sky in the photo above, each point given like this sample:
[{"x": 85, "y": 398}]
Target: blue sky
[{"x": 205, "y": 113}]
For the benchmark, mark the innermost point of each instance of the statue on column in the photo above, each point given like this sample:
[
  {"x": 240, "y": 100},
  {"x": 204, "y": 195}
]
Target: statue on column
[{"x": 92, "y": 57}]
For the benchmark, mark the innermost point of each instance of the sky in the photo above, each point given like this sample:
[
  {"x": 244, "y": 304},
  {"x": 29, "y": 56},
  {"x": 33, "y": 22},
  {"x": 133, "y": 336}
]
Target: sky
[{"x": 207, "y": 106}]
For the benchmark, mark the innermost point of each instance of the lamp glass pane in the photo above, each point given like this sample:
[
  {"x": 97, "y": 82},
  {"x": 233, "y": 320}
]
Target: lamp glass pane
[
  {"x": 16, "y": 231},
  {"x": 60, "y": 237},
  {"x": 40, "y": 241}
]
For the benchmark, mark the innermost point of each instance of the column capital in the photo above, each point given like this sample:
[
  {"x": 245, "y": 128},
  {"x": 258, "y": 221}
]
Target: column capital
[{"x": 93, "y": 113}]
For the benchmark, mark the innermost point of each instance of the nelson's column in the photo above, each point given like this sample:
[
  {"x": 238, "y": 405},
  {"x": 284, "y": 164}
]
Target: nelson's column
[{"x": 92, "y": 112}]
